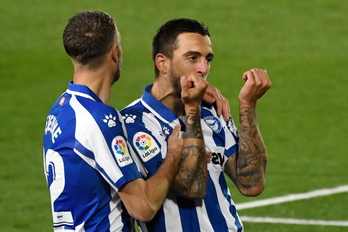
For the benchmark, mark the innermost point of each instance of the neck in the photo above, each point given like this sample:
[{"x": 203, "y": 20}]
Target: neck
[
  {"x": 98, "y": 81},
  {"x": 165, "y": 93}
]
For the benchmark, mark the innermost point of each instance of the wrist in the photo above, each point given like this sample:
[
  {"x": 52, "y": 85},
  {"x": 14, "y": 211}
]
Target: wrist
[
  {"x": 250, "y": 104},
  {"x": 192, "y": 110}
]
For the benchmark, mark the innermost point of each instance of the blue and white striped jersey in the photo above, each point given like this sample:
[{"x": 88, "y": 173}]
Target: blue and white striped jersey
[
  {"x": 149, "y": 124},
  {"x": 86, "y": 161}
]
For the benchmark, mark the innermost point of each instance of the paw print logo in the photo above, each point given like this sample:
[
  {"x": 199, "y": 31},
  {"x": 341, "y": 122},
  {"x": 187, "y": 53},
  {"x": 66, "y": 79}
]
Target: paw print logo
[
  {"x": 110, "y": 120},
  {"x": 129, "y": 118},
  {"x": 166, "y": 130}
]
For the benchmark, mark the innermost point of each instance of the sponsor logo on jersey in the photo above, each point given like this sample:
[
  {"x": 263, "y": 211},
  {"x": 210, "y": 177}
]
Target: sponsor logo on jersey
[
  {"x": 120, "y": 150},
  {"x": 145, "y": 145},
  {"x": 214, "y": 123},
  {"x": 217, "y": 158}
]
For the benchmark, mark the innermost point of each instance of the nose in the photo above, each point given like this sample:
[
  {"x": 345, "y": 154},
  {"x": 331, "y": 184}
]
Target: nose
[{"x": 203, "y": 67}]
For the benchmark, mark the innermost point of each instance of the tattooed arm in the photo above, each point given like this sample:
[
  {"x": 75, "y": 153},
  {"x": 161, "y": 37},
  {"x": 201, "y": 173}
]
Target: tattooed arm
[
  {"x": 190, "y": 181},
  {"x": 247, "y": 168}
]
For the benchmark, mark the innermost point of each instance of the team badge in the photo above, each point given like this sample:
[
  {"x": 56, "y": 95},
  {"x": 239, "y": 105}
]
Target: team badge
[
  {"x": 214, "y": 123},
  {"x": 145, "y": 145},
  {"x": 119, "y": 147}
]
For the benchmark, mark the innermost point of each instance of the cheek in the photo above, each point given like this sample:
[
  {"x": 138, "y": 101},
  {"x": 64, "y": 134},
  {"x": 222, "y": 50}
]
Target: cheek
[{"x": 184, "y": 68}]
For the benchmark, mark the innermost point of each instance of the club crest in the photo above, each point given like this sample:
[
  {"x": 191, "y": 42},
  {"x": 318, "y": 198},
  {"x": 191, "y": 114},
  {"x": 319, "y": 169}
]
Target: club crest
[{"x": 214, "y": 123}]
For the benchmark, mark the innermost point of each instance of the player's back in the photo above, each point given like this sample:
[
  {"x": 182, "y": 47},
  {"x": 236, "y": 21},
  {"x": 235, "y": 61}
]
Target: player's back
[{"x": 76, "y": 127}]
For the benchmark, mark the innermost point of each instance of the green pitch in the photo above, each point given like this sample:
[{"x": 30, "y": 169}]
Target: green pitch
[{"x": 303, "y": 117}]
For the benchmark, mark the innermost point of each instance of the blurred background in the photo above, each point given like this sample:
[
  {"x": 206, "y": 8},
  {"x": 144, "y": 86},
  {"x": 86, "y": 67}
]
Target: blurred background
[{"x": 303, "y": 118}]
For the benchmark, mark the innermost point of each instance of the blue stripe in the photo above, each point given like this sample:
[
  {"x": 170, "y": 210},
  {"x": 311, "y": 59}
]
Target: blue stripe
[
  {"x": 231, "y": 151},
  {"x": 188, "y": 215},
  {"x": 157, "y": 224},
  {"x": 214, "y": 212},
  {"x": 83, "y": 150},
  {"x": 233, "y": 209}
]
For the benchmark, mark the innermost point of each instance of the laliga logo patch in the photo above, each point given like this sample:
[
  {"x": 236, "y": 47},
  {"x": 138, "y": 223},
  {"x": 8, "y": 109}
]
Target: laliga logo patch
[
  {"x": 146, "y": 146},
  {"x": 120, "y": 150},
  {"x": 213, "y": 123}
]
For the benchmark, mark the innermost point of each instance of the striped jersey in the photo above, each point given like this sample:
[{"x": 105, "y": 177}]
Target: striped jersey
[
  {"x": 149, "y": 124},
  {"x": 86, "y": 161}
]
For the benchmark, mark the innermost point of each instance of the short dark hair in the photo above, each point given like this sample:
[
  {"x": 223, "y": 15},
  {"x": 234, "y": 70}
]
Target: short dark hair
[
  {"x": 88, "y": 36},
  {"x": 165, "y": 40}
]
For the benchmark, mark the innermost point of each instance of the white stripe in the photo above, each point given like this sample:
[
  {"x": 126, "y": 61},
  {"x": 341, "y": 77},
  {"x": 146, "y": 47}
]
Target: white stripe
[
  {"x": 103, "y": 157},
  {"x": 80, "y": 94},
  {"x": 294, "y": 221},
  {"x": 154, "y": 112},
  {"x": 171, "y": 213},
  {"x": 292, "y": 197}
]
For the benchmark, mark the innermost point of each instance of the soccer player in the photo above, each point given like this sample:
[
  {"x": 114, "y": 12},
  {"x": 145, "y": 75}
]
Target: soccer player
[
  {"x": 87, "y": 161},
  {"x": 182, "y": 50}
]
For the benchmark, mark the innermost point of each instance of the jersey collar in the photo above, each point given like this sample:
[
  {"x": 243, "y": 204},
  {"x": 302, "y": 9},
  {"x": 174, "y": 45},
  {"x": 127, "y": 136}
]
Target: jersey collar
[
  {"x": 83, "y": 91},
  {"x": 156, "y": 107}
]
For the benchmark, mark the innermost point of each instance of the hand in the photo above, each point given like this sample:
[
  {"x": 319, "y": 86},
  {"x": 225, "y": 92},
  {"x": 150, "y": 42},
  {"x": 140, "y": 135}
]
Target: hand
[
  {"x": 212, "y": 95},
  {"x": 175, "y": 145},
  {"x": 193, "y": 89},
  {"x": 256, "y": 84},
  {"x": 208, "y": 156}
]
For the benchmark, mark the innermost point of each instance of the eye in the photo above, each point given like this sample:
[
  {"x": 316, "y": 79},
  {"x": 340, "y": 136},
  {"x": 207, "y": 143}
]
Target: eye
[
  {"x": 209, "y": 59},
  {"x": 191, "y": 58}
]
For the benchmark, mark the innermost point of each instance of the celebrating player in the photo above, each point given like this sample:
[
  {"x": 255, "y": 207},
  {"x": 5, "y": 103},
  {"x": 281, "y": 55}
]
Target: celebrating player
[{"x": 182, "y": 54}]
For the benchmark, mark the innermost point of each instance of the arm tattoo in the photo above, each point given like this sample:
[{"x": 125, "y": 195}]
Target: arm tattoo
[
  {"x": 188, "y": 181},
  {"x": 193, "y": 125},
  {"x": 252, "y": 158},
  {"x": 192, "y": 175}
]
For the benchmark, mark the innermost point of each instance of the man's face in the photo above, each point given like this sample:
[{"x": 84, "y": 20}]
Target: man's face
[{"x": 192, "y": 56}]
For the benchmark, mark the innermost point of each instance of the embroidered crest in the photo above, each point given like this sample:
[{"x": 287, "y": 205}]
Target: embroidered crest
[{"x": 214, "y": 123}]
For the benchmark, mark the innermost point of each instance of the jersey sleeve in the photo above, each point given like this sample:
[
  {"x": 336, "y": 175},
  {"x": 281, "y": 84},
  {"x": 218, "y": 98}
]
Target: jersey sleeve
[
  {"x": 101, "y": 142},
  {"x": 145, "y": 139}
]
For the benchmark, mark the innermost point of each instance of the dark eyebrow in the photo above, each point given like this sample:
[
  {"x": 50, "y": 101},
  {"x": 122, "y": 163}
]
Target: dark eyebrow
[{"x": 211, "y": 55}]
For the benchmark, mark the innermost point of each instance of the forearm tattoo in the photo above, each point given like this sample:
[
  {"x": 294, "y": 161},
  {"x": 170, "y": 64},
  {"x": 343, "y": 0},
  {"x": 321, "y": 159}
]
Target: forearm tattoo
[
  {"x": 252, "y": 158},
  {"x": 189, "y": 181},
  {"x": 191, "y": 177},
  {"x": 193, "y": 125}
]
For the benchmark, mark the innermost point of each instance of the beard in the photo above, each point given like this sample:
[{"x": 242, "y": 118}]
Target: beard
[
  {"x": 175, "y": 80},
  {"x": 116, "y": 75}
]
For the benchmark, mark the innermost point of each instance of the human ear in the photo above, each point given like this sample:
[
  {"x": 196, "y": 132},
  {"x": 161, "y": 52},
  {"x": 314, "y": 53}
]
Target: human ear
[
  {"x": 114, "y": 53},
  {"x": 161, "y": 63}
]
